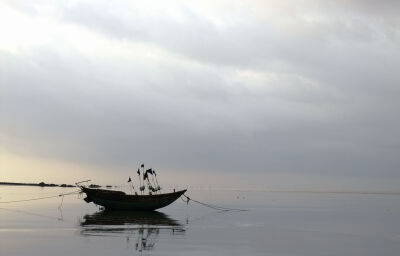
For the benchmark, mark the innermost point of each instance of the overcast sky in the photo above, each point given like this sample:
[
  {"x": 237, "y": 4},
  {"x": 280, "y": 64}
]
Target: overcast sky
[{"x": 278, "y": 94}]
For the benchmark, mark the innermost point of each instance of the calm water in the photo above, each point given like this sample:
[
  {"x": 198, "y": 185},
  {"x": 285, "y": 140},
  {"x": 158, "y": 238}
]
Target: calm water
[{"x": 276, "y": 224}]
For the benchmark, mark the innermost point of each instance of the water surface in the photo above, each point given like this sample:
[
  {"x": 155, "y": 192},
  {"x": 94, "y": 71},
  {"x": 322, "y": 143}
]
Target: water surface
[{"x": 276, "y": 224}]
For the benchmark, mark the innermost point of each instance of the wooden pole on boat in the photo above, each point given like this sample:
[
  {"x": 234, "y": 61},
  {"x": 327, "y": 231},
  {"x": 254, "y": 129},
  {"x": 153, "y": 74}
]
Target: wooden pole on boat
[
  {"x": 143, "y": 177},
  {"x": 158, "y": 186},
  {"x": 152, "y": 179},
  {"x": 140, "y": 182}
]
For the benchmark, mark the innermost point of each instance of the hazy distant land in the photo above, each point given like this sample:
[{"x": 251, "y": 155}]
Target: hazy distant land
[{"x": 40, "y": 184}]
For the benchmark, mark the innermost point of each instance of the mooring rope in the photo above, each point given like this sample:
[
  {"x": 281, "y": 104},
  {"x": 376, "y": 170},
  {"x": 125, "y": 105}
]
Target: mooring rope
[
  {"x": 40, "y": 198},
  {"x": 215, "y": 207},
  {"x": 30, "y": 213}
]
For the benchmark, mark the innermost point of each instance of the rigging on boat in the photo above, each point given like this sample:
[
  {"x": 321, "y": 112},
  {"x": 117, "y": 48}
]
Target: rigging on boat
[
  {"x": 143, "y": 177},
  {"x": 119, "y": 200}
]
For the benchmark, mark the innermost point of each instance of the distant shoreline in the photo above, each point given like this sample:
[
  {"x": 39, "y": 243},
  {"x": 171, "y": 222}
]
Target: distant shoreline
[{"x": 40, "y": 184}]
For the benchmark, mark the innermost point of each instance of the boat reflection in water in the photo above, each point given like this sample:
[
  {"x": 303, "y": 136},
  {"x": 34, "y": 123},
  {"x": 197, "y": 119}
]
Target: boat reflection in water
[{"x": 143, "y": 227}]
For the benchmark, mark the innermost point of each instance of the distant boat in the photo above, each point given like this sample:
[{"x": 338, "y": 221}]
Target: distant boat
[{"x": 118, "y": 200}]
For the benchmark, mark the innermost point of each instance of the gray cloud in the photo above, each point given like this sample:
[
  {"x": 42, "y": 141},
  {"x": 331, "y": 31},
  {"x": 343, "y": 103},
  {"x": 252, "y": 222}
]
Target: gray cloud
[{"x": 316, "y": 97}]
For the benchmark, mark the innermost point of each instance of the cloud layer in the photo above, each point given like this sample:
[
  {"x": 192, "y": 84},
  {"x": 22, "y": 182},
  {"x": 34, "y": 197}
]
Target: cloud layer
[{"x": 307, "y": 88}]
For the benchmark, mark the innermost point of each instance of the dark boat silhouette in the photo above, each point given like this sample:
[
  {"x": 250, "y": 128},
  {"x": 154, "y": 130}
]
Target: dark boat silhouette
[{"x": 118, "y": 200}]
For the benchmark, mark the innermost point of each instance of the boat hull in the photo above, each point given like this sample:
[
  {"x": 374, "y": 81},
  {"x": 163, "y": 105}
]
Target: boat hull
[{"x": 116, "y": 200}]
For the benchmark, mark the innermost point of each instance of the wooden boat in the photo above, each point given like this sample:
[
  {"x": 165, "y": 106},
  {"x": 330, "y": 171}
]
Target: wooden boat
[{"x": 118, "y": 200}]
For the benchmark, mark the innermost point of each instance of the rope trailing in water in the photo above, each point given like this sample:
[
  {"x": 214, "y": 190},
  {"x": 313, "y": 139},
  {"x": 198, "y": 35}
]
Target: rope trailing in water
[
  {"x": 40, "y": 198},
  {"x": 215, "y": 207}
]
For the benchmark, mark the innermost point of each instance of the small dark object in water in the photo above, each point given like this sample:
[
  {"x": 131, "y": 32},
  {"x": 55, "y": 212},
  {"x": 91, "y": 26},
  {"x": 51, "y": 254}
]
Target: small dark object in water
[{"x": 94, "y": 186}]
